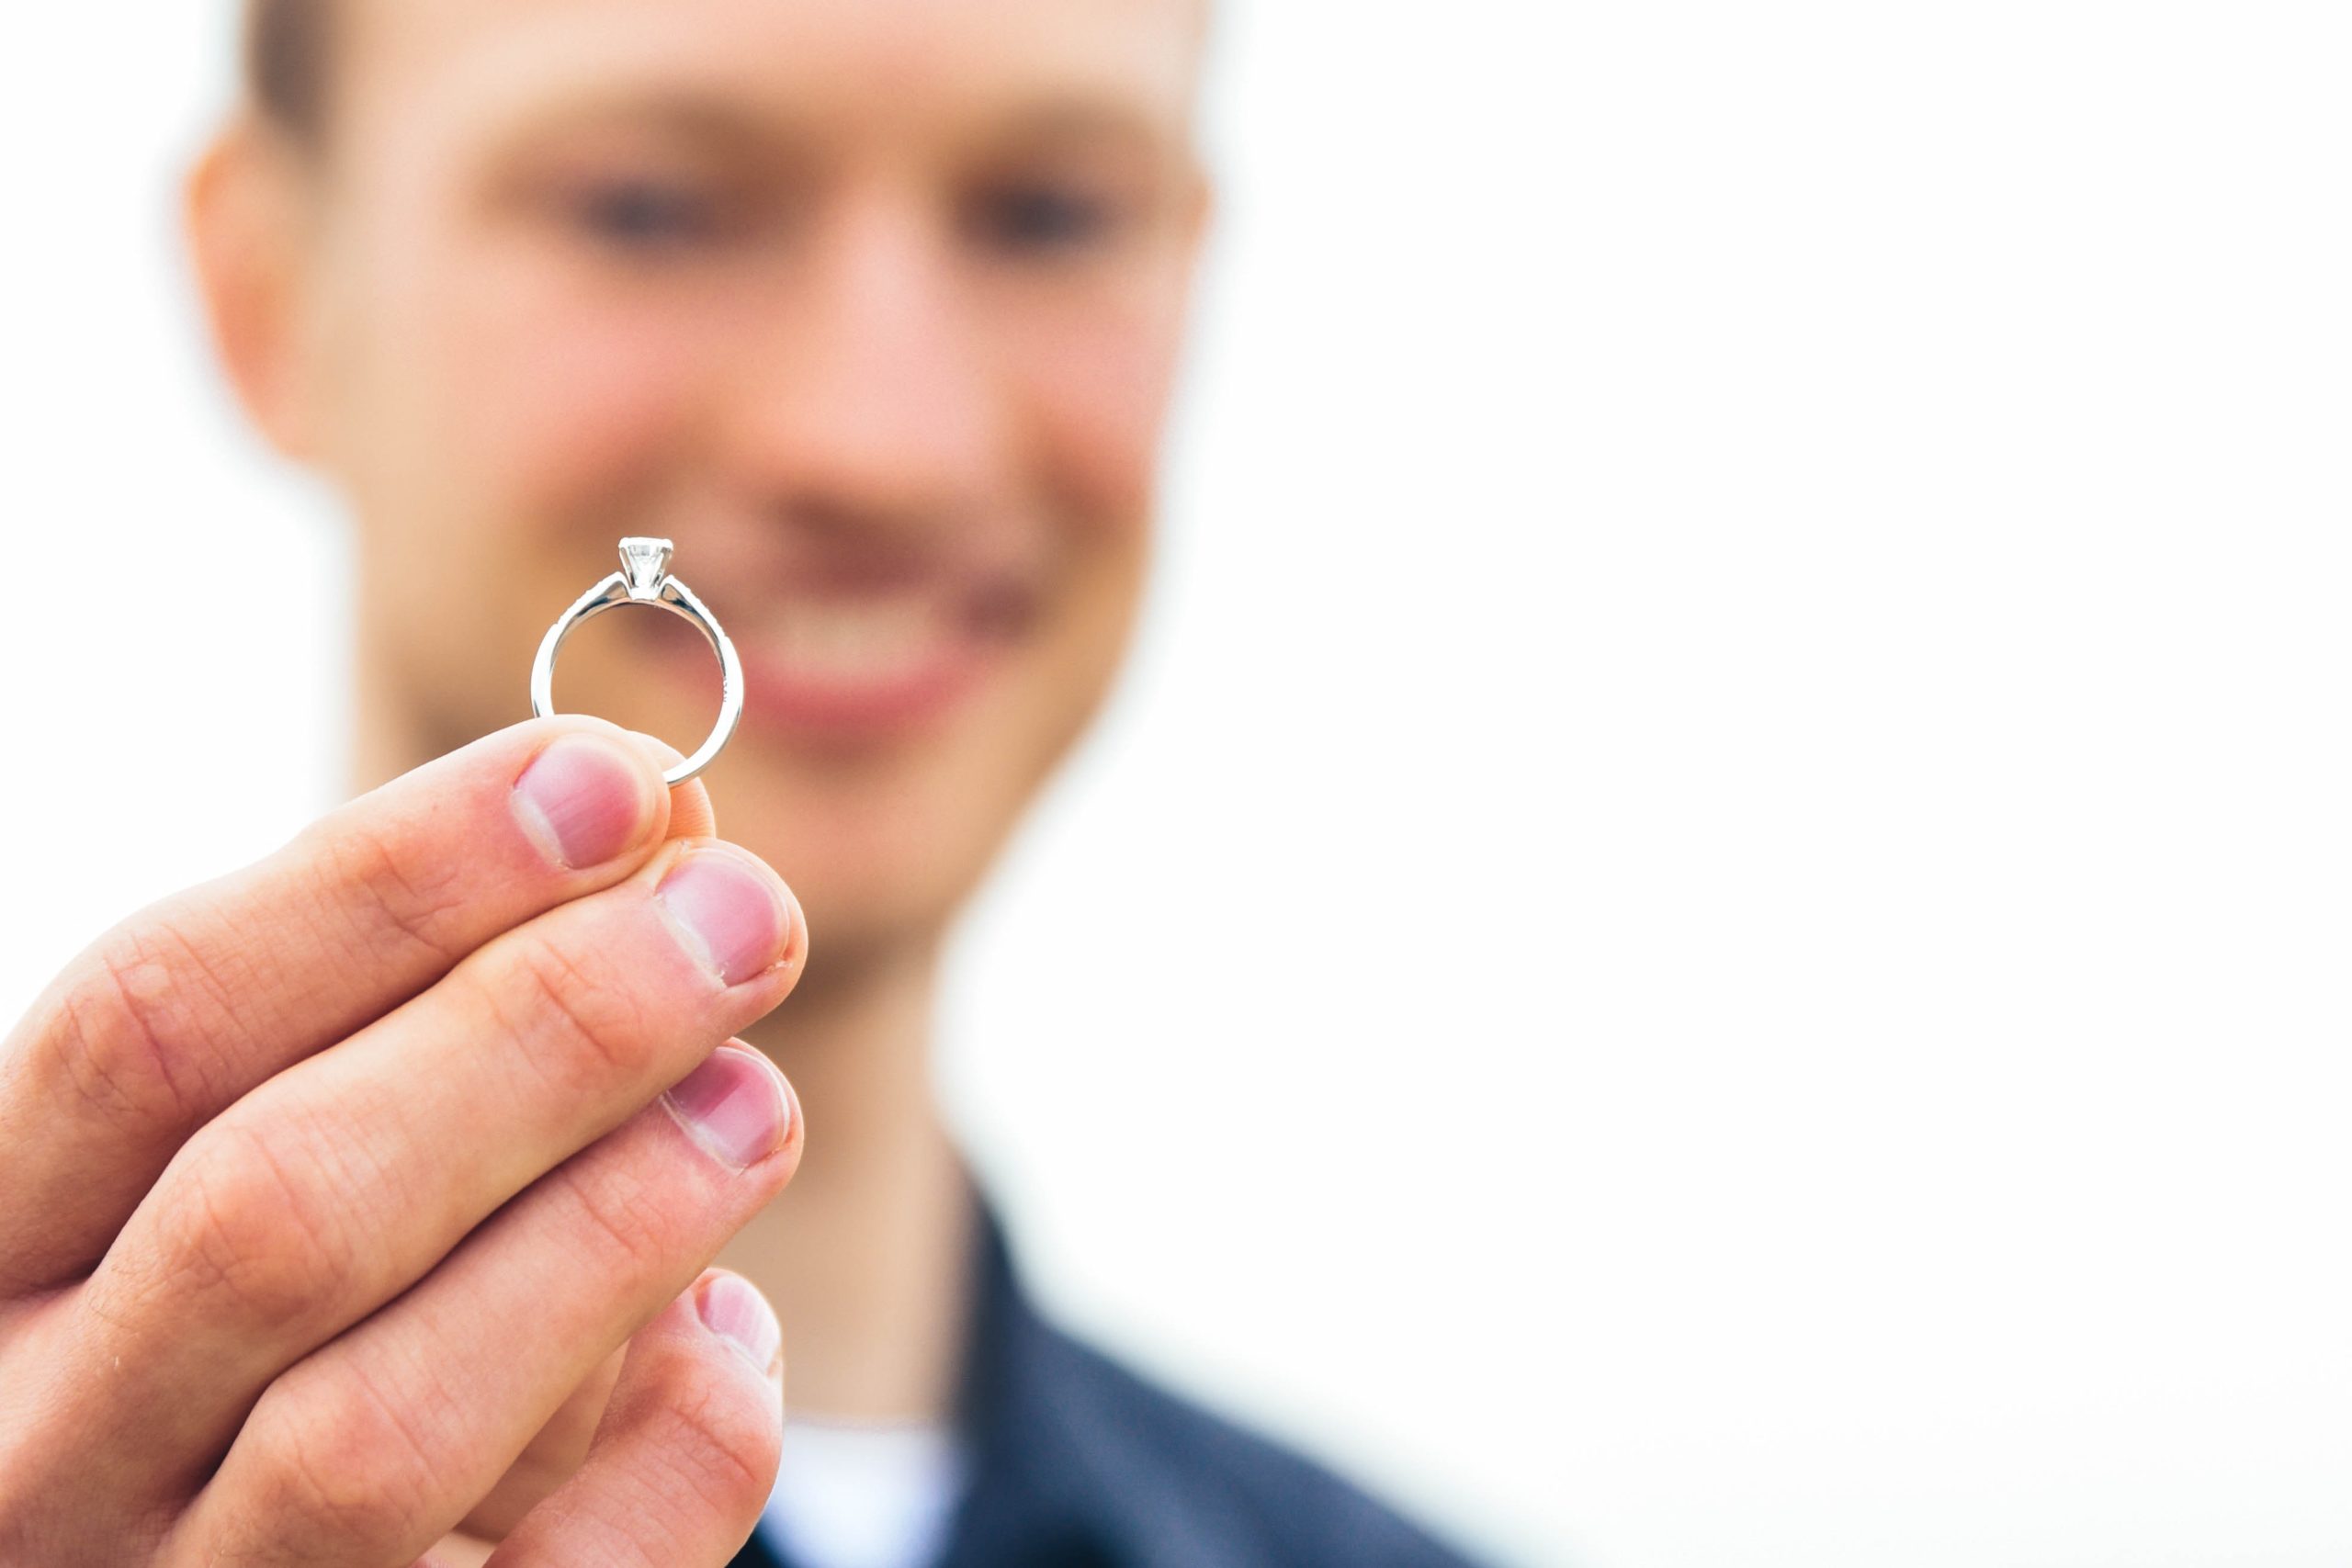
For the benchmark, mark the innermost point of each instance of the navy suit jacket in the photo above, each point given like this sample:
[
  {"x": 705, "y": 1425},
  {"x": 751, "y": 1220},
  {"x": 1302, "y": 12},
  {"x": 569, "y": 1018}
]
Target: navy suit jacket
[{"x": 1076, "y": 1463}]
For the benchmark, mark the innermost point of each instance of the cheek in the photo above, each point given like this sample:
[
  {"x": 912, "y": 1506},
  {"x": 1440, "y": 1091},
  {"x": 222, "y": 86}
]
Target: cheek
[
  {"x": 505, "y": 394},
  {"x": 555, "y": 400},
  {"x": 1097, "y": 385},
  {"x": 1094, "y": 385}
]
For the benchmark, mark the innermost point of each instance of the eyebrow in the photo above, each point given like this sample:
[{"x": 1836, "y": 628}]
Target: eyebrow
[
  {"x": 696, "y": 115},
  {"x": 1084, "y": 120},
  {"x": 1053, "y": 119}
]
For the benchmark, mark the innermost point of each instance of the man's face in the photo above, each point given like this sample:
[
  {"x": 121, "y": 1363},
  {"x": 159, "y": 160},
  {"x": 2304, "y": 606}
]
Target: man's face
[{"x": 871, "y": 307}]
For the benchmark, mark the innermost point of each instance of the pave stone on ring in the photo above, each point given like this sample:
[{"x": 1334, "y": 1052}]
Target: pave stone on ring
[{"x": 644, "y": 579}]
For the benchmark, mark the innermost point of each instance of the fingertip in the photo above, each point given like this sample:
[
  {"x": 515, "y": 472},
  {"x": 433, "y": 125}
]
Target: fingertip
[
  {"x": 691, "y": 815},
  {"x": 795, "y": 1130},
  {"x": 664, "y": 754},
  {"x": 732, "y": 1308},
  {"x": 737, "y": 1108},
  {"x": 793, "y": 1140},
  {"x": 585, "y": 798}
]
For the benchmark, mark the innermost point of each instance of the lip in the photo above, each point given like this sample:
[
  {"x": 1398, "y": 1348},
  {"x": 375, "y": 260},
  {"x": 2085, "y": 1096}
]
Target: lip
[
  {"x": 787, "y": 700},
  {"x": 781, "y": 699},
  {"x": 813, "y": 678}
]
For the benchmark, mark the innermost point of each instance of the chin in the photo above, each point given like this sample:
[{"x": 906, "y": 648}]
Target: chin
[{"x": 882, "y": 850}]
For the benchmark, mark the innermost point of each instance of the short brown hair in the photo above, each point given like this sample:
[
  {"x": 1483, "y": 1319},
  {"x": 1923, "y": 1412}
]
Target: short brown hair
[{"x": 286, "y": 61}]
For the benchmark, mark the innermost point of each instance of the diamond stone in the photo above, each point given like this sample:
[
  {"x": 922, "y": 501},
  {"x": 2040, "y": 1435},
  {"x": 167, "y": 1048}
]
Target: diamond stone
[{"x": 646, "y": 563}]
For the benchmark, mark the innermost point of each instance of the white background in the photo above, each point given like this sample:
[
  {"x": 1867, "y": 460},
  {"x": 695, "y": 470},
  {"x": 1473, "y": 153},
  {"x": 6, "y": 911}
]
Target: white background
[{"x": 1714, "y": 928}]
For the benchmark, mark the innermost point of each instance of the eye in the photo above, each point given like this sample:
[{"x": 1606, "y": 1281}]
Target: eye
[
  {"x": 1043, "y": 218},
  {"x": 648, "y": 215}
]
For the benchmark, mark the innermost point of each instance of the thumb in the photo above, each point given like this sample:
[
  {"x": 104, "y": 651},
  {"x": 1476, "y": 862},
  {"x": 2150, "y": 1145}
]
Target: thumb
[{"x": 691, "y": 816}]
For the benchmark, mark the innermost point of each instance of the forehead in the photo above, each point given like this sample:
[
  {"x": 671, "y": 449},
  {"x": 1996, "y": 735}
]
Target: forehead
[{"x": 840, "y": 65}]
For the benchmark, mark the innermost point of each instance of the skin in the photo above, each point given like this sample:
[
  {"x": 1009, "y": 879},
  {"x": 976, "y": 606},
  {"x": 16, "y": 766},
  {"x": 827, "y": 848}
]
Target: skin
[{"x": 873, "y": 310}]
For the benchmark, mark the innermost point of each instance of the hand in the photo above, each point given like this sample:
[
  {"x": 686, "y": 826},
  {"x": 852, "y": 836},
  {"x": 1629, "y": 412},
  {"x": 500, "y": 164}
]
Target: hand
[{"x": 326, "y": 1185}]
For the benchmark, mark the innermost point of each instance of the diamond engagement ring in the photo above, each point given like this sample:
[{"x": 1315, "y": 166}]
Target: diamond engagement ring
[{"x": 644, "y": 579}]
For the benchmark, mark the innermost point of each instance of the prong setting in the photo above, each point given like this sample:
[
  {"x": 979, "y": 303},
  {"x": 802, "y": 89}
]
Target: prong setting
[{"x": 645, "y": 566}]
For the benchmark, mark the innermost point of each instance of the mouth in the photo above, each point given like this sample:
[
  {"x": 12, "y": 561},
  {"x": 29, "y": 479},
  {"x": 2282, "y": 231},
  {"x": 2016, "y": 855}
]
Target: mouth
[{"x": 867, "y": 664}]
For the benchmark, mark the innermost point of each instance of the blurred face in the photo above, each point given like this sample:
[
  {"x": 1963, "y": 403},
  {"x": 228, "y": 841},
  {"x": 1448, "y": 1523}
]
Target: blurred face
[{"x": 871, "y": 307}]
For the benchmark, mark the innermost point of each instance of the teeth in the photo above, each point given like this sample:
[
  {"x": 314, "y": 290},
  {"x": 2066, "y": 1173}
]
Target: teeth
[{"x": 864, "y": 642}]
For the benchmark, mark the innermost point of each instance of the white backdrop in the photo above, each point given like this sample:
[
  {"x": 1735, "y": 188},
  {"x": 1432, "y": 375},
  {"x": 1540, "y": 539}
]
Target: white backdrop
[{"x": 1750, "y": 676}]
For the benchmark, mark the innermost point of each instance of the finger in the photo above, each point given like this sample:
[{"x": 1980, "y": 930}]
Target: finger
[
  {"x": 388, "y": 1438},
  {"x": 687, "y": 1452},
  {"x": 691, "y": 815},
  {"x": 330, "y": 1188},
  {"x": 555, "y": 1451},
  {"x": 181, "y": 1010}
]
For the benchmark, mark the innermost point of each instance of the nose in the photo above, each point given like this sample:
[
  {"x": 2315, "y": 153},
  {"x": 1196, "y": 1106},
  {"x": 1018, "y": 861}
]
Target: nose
[{"x": 864, "y": 400}]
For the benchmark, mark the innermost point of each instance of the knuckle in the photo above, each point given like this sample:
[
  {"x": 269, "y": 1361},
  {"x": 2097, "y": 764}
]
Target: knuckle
[
  {"x": 254, "y": 1233},
  {"x": 46, "y": 1457},
  {"x": 349, "y": 1469},
  {"x": 715, "y": 1438},
  {"x": 624, "y": 1218},
  {"x": 405, "y": 892},
  {"x": 142, "y": 1034},
  {"x": 590, "y": 1031}
]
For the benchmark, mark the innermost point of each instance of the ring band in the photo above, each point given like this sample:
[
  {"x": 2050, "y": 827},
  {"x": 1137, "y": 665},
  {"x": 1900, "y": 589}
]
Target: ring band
[{"x": 644, "y": 579}]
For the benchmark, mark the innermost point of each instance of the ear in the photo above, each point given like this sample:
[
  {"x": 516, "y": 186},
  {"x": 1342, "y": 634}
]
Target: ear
[{"x": 247, "y": 211}]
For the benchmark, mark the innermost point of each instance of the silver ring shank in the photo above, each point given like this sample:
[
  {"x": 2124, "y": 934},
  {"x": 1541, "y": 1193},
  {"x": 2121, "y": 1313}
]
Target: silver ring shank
[{"x": 676, "y": 597}]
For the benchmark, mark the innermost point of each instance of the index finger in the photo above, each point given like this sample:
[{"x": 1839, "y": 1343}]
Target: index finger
[{"x": 172, "y": 1016}]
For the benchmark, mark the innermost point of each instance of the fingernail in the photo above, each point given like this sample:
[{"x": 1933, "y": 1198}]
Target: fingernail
[
  {"x": 582, "y": 801},
  {"x": 728, "y": 914},
  {"x": 738, "y": 1314},
  {"x": 734, "y": 1105}
]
